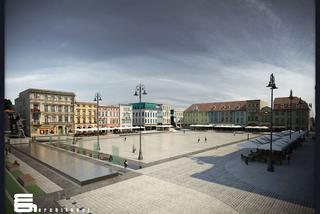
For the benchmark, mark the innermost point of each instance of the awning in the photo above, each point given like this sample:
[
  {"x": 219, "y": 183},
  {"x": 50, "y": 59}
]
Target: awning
[
  {"x": 227, "y": 126},
  {"x": 256, "y": 127},
  {"x": 164, "y": 126},
  {"x": 204, "y": 126}
]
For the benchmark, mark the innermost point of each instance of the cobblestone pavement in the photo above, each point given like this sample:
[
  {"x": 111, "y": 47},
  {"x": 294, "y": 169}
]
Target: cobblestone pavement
[
  {"x": 209, "y": 182},
  {"x": 44, "y": 183},
  {"x": 145, "y": 194}
]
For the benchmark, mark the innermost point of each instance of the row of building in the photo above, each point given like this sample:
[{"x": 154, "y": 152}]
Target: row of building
[
  {"x": 57, "y": 112},
  {"x": 287, "y": 113}
]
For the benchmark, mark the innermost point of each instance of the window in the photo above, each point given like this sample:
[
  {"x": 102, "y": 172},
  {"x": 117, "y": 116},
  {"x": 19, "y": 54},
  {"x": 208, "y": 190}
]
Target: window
[
  {"x": 46, "y": 108},
  {"x": 60, "y": 118},
  {"x": 53, "y": 108},
  {"x": 60, "y": 108},
  {"x": 65, "y": 108},
  {"x": 66, "y": 119}
]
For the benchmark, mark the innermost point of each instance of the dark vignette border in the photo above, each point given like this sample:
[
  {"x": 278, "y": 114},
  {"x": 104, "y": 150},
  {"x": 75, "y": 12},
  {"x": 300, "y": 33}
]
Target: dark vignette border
[
  {"x": 2, "y": 198},
  {"x": 317, "y": 109}
]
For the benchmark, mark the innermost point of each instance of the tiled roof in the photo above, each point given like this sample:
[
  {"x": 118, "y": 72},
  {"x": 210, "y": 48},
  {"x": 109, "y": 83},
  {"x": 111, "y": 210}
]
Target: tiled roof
[
  {"x": 284, "y": 103},
  {"x": 218, "y": 106}
]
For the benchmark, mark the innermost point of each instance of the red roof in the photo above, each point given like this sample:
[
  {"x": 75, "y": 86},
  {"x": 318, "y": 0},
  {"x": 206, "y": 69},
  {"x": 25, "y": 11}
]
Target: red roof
[
  {"x": 219, "y": 106},
  {"x": 284, "y": 103}
]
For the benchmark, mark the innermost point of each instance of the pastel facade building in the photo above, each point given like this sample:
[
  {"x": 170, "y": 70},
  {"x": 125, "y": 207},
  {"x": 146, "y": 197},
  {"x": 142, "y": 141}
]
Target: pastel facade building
[
  {"x": 85, "y": 115},
  {"x": 46, "y": 112},
  {"x": 125, "y": 115},
  {"x": 234, "y": 113},
  {"x": 109, "y": 116},
  {"x": 166, "y": 115}
]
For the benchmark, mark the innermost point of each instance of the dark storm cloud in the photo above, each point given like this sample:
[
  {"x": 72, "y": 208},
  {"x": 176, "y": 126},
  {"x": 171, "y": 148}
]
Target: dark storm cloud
[{"x": 187, "y": 51}]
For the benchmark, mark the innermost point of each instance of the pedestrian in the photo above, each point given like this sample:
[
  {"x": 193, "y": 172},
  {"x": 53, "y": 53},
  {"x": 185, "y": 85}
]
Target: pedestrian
[
  {"x": 125, "y": 139},
  {"x": 205, "y": 139},
  {"x": 198, "y": 139},
  {"x": 234, "y": 133},
  {"x": 133, "y": 149},
  {"x": 110, "y": 158},
  {"x": 125, "y": 163}
]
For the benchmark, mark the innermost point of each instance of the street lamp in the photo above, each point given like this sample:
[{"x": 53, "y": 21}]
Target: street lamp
[
  {"x": 290, "y": 97},
  {"x": 97, "y": 98},
  {"x": 300, "y": 120},
  {"x": 140, "y": 90},
  {"x": 271, "y": 85}
]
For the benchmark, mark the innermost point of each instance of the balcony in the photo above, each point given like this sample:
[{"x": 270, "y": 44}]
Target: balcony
[{"x": 35, "y": 110}]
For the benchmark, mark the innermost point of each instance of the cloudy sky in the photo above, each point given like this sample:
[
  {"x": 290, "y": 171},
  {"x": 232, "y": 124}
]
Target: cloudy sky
[{"x": 184, "y": 51}]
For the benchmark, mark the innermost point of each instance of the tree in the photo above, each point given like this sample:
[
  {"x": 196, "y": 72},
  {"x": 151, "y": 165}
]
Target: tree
[{"x": 8, "y": 104}]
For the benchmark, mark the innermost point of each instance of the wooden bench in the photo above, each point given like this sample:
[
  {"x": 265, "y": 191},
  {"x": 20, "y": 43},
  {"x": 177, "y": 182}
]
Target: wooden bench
[{"x": 26, "y": 180}]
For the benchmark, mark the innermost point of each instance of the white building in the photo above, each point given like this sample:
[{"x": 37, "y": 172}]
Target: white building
[{"x": 125, "y": 116}]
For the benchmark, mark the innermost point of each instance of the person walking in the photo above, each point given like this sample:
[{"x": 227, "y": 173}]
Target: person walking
[
  {"x": 125, "y": 164},
  {"x": 205, "y": 139},
  {"x": 133, "y": 149},
  {"x": 198, "y": 139},
  {"x": 125, "y": 139}
]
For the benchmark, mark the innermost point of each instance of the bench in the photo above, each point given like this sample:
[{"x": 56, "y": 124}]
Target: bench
[{"x": 26, "y": 180}]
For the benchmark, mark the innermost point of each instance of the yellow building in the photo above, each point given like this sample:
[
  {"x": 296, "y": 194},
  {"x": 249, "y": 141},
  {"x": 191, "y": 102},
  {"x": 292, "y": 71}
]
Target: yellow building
[{"x": 85, "y": 115}]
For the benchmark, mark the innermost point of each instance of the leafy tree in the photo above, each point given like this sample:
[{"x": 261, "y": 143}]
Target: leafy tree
[{"x": 8, "y": 104}]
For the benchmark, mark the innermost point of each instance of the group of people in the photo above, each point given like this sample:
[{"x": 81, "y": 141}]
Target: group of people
[{"x": 205, "y": 139}]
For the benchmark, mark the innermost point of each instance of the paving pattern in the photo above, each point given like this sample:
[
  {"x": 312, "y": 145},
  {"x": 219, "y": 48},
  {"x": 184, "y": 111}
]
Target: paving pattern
[
  {"x": 145, "y": 194},
  {"x": 208, "y": 182},
  {"x": 161, "y": 146},
  {"x": 44, "y": 183}
]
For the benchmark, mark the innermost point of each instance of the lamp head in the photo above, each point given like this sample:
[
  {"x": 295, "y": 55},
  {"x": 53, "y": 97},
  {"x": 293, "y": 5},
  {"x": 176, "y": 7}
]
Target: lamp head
[
  {"x": 144, "y": 92},
  {"x": 135, "y": 93},
  {"x": 272, "y": 83}
]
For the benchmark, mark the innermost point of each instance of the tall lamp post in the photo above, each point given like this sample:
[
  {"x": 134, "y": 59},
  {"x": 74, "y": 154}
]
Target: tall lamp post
[
  {"x": 300, "y": 119},
  {"x": 140, "y": 90},
  {"x": 272, "y": 86},
  {"x": 290, "y": 97},
  {"x": 97, "y": 98}
]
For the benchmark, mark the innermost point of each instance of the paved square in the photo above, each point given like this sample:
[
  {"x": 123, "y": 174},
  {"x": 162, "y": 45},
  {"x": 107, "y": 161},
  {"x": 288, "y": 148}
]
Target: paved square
[{"x": 160, "y": 146}]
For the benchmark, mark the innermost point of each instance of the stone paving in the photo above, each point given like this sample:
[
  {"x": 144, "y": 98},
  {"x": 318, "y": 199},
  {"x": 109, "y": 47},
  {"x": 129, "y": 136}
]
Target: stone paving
[
  {"x": 44, "y": 183},
  {"x": 161, "y": 146},
  {"x": 215, "y": 181},
  {"x": 145, "y": 194}
]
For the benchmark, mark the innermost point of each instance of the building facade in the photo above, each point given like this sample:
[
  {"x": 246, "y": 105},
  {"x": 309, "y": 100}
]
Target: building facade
[
  {"x": 166, "y": 115},
  {"x": 85, "y": 115},
  {"x": 46, "y": 112},
  {"x": 145, "y": 114},
  {"x": 253, "y": 110},
  {"x": 299, "y": 117},
  {"x": 125, "y": 112},
  {"x": 109, "y": 116},
  {"x": 234, "y": 113}
]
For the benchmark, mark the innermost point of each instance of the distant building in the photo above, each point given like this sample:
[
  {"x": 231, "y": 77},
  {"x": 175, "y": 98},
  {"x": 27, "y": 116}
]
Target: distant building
[
  {"x": 253, "y": 109},
  {"x": 300, "y": 113},
  {"x": 46, "y": 111},
  {"x": 166, "y": 117},
  {"x": 264, "y": 118},
  {"x": 176, "y": 118},
  {"x": 109, "y": 116},
  {"x": 85, "y": 115},
  {"x": 241, "y": 113},
  {"x": 125, "y": 118},
  {"x": 145, "y": 114}
]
